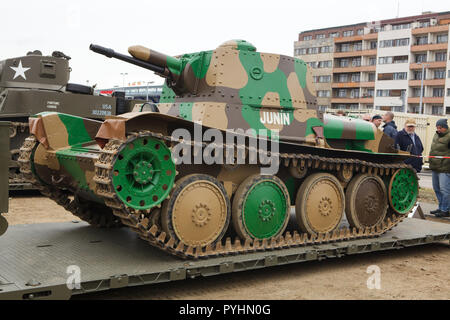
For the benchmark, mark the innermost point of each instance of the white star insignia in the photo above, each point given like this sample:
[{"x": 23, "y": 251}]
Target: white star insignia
[{"x": 20, "y": 71}]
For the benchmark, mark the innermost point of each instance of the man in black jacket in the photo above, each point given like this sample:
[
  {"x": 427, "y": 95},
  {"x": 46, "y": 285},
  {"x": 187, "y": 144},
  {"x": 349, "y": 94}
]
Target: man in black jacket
[
  {"x": 389, "y": 127},
  {"x": 408, "y": 140}
]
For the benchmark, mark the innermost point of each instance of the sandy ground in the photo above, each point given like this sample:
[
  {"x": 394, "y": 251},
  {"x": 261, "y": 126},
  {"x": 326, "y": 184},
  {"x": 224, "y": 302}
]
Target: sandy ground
[{"x": 413, "y": 273}]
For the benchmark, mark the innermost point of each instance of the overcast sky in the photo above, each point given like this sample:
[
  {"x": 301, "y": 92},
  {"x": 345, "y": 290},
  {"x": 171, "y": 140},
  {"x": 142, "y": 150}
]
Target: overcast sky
[{"x": 175, "y": 26}]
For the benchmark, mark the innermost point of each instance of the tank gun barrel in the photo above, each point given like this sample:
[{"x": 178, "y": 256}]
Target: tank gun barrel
[{"x": 110, "y": 53}]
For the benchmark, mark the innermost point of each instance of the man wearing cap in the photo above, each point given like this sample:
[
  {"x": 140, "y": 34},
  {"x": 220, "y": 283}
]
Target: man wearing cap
[
  {"x": 408, "y": 140},
  {"x": 440, "y": 147},
  {"x": 376, "y": 120}
]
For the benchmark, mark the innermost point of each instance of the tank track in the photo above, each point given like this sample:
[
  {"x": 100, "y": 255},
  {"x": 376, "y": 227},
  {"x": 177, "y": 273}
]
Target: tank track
[
  {"x": 17, "y": 178},
  {"x": 143, "y": 223},
  {"x": 89, "y": 212}
]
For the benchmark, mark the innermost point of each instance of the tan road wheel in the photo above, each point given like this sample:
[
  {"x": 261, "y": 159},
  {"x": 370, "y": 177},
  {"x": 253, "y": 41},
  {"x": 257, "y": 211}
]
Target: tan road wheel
[
  {"x": 261, "y": 207},
  {"x": 320, "y": 204},
  {"x": 198, "y": 211},
  {"x": 365, "y": 201}
]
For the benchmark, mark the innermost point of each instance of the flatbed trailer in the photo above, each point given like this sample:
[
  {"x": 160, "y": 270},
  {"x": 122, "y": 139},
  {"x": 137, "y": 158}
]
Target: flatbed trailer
[{"x": 36, "y": 261}]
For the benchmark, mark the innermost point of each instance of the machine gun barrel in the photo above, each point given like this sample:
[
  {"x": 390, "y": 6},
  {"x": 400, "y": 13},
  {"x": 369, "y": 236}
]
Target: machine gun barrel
[{"x": 110, "y": 53}]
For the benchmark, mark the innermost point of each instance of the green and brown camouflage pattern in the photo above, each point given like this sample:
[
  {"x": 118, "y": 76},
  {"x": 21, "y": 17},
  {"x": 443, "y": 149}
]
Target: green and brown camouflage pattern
[
  {"x": 231, "y": 87},
  {"x": 36, "y": 83}
]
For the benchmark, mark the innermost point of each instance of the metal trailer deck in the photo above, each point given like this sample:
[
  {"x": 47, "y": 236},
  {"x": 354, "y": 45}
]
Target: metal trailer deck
[{"x": 34, "y": 259}]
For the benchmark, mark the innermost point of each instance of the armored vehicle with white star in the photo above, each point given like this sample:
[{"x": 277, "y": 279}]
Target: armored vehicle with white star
[{"x": 36, "y": 83}]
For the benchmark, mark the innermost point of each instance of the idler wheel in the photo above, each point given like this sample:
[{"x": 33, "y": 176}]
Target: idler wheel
[
  {"x": 143, "y": 173},
  {"x": 320, "y": 204},
  {"x": 365, "y": 201},
  {"x": 197, "y": 212},
  {"x": 261, "y": 207},
  {"x": 403, "y": 191}
]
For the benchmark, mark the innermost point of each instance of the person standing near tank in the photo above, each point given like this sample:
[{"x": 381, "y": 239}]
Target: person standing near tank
[
  {"x": 440, "y": 168},
  {"x": 389, "y": 128},
  {"x": 376, "y": 120},
  {"x": 408, "y": 140}
]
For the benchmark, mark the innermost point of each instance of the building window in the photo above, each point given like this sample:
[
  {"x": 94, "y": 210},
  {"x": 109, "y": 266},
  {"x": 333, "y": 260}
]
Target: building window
[
  {"x": 343, "y": 63},
  {"x": 306, "y": 38},
  {"x": 418, "y": 75},
  {"x": 439, "y": 74},
  {"x": 424, "y": 24},
  {"x": 441, "y": 56},
  {"x": 448, "y": 92},
  {"x": 442, "y": 38},
  {"x": 422, "y": 40},
  {"x": 323, "y": 108},
  {"x": 342, "y": 93},
  {"x": 348, "y": 33},
  {"x": 356, "y": 62},
  {"x": 354, "y": 93},
  {"x": 394, "y": 43},
  {"x": 360, "y": 32},
  {"x": 436, "y": 110},
  {"x": 301, "y": 51},
  {"x": 356, "y": 77},
  {"x": 372, "y": 76},
  {"x": 343, "y": 78},
  {"x": 421, "y": 58},
  {"x": 323, "y": 93},
  {"x": 447, "y": 110},
  {"x": 325, "y": 64},
  {"x": 438, "y": 92},
  {"x": 372, "y": 61},
  {"x": 320, "y": 36},
  {"x": 416, "y": 92},
  {"x": 334, "y": 34},
  {"x": 326, "y": 49},
  {"x": 373, "y": 45}
]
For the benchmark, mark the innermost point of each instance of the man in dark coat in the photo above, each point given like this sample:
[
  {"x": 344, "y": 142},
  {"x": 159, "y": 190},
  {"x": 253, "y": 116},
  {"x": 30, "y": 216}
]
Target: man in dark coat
[
  {"x": 408, "y": 140},
  {"x": 440, "y": 166},
  {"x": 389, "y": 128}
]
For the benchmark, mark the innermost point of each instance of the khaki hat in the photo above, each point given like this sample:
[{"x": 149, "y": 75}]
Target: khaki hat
[{"x": 410, "y": 122}]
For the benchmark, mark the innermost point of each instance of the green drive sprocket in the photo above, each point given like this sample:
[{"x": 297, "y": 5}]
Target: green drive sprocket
[
  {"x": 403, "y": 191},
  {"x": 261, "y": 207},
  {"x": 143, "y": 173}
]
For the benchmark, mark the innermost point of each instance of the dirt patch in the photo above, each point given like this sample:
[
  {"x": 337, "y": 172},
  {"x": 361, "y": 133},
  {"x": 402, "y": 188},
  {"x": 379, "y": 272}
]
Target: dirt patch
[
  {"x": 427, "y": 195},
  {"x": 36, "y": 209}
]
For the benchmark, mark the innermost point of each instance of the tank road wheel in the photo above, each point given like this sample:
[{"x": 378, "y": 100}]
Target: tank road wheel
[
  {"x": 320, "y": 204},
  {"x": 345, "y": 174},
  {"x": 403, "y": 191},
  {"x": 3, "y": 225},
  {"x": 261, "y": 207},
  {"x": 197, "y": 212},
  {"x": 143, "y": 173},
  {"x": 365, "y": 201}
]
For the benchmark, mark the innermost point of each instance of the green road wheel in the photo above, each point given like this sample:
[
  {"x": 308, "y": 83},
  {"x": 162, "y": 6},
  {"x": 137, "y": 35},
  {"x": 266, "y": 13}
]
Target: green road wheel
[
  {"x": 403, "y": 191},
  {"x": 261, "y": 207},
  {"x": 143, "y": 173}
]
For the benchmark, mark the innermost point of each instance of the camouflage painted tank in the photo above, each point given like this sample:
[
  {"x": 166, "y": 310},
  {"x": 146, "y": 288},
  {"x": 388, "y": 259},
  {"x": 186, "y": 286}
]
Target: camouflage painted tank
[
  {"x": 36, "y": 83},
  {"x": 236, "y": 141}
]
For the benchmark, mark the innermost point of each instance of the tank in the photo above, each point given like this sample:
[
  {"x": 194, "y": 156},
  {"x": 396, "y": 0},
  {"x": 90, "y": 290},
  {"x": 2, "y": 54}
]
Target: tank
[
  {"x": 35, "y": 83},
  {"x": 4, "y": 166},
  {"x": 219, "y": 166}
]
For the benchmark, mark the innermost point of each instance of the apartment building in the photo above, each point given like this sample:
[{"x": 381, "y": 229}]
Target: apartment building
[{"x": 378, "y": 65}]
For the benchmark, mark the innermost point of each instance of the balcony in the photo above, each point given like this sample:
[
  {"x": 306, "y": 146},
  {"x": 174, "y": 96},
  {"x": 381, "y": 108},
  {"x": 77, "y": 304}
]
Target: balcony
[
  {"x": 429, "y": 47},
  {"x": 430, "y": 29},
  {"x": 345, "y": 100},
  {"x": 348, "y": 39},
  {"x": 345, "y": 85},
  {"x": 428, "y": 65},
  {"x": 416, "y": 100},
  {"x": 355, "y": 53},
  {"x": 354, "y": 69},
  {"x": 431, "y": 82}
]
